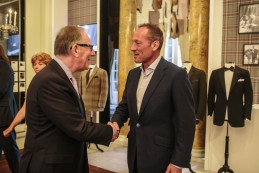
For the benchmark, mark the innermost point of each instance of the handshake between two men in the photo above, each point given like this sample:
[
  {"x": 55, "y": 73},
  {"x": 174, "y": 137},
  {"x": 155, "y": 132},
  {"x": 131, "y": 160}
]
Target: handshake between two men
[{"x": 116, "y": 130}]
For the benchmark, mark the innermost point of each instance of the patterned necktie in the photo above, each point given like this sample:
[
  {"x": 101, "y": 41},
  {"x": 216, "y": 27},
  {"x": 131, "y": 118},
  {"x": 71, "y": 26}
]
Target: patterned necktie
[{"x": 74, "y": 83}]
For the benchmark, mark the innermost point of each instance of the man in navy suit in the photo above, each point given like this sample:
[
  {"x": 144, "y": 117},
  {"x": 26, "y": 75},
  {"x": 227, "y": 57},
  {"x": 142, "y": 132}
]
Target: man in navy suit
[
  {"x": 158, "y": 100},
  {"x": 56, "y": 126},
  {"x": 8, "y": 110}
]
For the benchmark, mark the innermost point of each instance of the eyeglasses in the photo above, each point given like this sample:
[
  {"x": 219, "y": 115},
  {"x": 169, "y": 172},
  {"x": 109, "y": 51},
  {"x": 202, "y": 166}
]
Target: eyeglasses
[{"x": 86, "y": 45}]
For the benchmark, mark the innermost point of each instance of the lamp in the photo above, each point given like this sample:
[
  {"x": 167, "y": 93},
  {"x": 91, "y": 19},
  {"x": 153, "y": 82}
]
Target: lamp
[{"x": 9, "y": 26}]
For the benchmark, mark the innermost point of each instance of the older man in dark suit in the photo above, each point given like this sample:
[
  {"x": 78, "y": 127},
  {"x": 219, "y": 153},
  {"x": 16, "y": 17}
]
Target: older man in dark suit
[
  {"x": 55, "y": 115},
  {"x": 158, "y": 100}
]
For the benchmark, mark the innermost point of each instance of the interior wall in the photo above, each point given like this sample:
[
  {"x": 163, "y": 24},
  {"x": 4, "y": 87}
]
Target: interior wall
[
  {"x": 233, "y": 42},
  {"x": 243, "y": 144},
  {"x": 39, "y": 35},
  {"x": 82, "y": 12}
]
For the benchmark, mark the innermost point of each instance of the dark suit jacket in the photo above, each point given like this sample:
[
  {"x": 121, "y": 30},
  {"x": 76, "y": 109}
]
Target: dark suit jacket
[
  {"x": 238, "y": 108},
  {"x": 8, "y": 108},
  {"x": 163, "y": 131},
  {"x": 57, "y": 130},
  {"x": 197, "y": 78}
]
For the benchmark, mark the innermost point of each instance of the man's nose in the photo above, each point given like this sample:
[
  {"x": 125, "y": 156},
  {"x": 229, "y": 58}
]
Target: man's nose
[
  {"x": 93, "y": 53},
  {"x": 133, "y": 47}
]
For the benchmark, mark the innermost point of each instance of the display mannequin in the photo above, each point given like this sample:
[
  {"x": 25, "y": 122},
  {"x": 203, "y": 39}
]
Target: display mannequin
[
  {"x": 232, "y": 88},
  {"x": 187, "y": 66},
  {"x": 94, "y": 91},
  {"x": 93, "y": 87},
  {"x": 197, "y": 78},
  {"x": 230, "y": 95}
]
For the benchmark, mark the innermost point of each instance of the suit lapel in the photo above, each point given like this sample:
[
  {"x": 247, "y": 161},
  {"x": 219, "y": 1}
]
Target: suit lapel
[
  {"x": 92, "y": 76},
  {"x": 63, "y": 75},
  {"x": 81, "y": 105},
  {"x": 192, "y": 71},
  {"x": 156, "y": 78},
  {"x": 134, "y": 84},
  {"x": 82, "y": 81},
  {"x": 222, "y": 79},
  {"x": 235, "y": 78}
]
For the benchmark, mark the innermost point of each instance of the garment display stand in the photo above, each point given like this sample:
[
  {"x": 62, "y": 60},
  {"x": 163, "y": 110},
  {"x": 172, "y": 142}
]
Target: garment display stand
[
  {"x": 226, "y": 168},
  {"x": 91, "y": 120}
]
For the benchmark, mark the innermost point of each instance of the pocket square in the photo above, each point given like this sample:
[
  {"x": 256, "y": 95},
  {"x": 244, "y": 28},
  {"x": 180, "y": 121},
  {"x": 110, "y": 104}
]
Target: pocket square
[{"x": 240, "y": 80}]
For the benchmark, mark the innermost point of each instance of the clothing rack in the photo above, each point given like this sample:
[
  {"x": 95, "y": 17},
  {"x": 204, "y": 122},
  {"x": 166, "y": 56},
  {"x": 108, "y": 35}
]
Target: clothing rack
[{"x": 226, "y": 168}]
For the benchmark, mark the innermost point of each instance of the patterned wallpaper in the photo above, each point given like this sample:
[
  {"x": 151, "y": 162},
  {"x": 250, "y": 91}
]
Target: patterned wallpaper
[
  {"x": 233, "y": 42},
  {"x": 82, "y": 12}
]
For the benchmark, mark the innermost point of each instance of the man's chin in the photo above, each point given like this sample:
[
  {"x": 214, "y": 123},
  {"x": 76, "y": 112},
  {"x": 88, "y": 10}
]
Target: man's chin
[{"x": 136, "y": 60}]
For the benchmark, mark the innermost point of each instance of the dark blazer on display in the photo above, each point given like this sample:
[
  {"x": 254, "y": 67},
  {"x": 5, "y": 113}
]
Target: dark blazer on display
[
  {"x": 197, "y": 78},
  {"x": 57, "y": 130},
  {"x": 239, "y": 102},
  {"x": 163, "y": 131}
]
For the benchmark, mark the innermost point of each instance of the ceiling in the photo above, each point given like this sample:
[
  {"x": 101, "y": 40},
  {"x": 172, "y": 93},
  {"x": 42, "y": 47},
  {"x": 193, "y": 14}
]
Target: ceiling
[
  {"x": 5, "y": 5},
  {"x": 6, "y": 1}
]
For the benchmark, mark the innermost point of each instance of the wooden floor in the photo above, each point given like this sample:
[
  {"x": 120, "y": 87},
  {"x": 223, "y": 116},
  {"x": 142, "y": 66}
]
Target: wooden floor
[{"x": 5, "y": 169}]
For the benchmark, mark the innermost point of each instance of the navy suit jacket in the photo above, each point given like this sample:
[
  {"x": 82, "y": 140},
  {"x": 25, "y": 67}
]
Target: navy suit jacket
[
  {"x": 240, "y": 99},
  {"x": 57, "y": 129},
  {"x": 8, "y": 108},
  {"x": 163, "y": 131}
]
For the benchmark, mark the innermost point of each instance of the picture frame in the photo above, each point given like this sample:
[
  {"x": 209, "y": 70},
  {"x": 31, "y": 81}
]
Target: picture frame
[
  {"x": 22, "y": 76},
  {"x": 249, "y": 18},
  {"x": 251, "y": 54}
]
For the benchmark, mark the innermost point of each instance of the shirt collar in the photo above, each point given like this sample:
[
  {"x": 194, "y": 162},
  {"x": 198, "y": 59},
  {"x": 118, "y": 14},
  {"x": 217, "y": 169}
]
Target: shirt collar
[
  {"x": 64, "y": 67},
  {"x": 152, "y": 66}
]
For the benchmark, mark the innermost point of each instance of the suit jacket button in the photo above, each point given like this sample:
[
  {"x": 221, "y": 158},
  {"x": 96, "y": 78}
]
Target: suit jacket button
[{"x": 138, "y": 125}]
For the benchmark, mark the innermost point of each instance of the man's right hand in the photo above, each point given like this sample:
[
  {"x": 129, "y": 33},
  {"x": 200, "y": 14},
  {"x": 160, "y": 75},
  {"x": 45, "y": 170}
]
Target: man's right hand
[{"x": 116, "y": 130}]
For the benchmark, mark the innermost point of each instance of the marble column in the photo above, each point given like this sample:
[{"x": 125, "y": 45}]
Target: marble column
[
  {"x": 199, "y": 34},
  {"x": 126, "y": 29}
]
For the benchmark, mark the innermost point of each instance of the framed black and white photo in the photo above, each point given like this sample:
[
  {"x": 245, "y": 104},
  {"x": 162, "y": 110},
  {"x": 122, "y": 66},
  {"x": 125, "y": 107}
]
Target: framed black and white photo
[
  {"x": 22, "y": 86},
  {"x": 251, "y": 54},
  {"x": 22, "y": 65},
  {"x": 15, "y": 87},
  {"x": 22, "y": 76},
  {"x": 249, "y": 18}
]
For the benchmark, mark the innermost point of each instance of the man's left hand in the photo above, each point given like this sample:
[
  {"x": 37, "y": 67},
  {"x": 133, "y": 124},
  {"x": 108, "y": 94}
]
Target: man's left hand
[{"x": 173, "y": 169}]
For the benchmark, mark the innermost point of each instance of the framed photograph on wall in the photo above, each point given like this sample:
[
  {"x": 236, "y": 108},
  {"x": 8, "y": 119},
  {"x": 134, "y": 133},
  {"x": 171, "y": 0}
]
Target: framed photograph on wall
[
  {"x": 249, "y": 18},
  {"x": 251, "y": 54}
]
